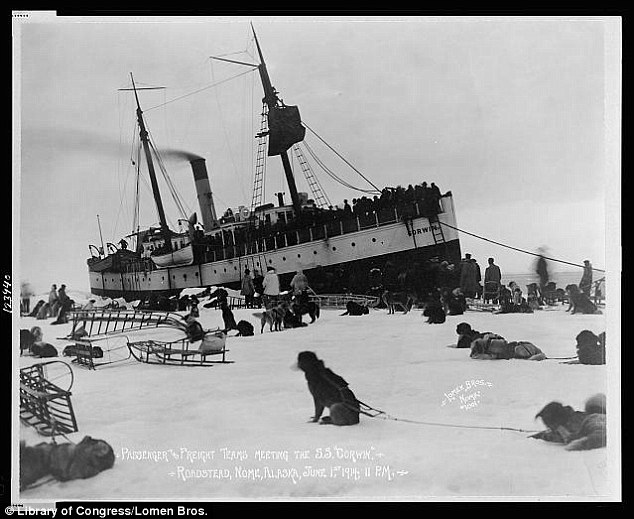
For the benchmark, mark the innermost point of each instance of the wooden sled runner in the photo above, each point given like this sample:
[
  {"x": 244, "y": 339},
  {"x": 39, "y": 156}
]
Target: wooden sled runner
[
  {"x": 87, "y": 353},
  {"x": 116, "y": 321},
  {"x": 182, "y": 352},
  {"x": 44, "y": 405}
]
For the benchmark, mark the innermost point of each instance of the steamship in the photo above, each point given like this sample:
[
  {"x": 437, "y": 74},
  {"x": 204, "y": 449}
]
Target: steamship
[{"x": 336, "y": 248}]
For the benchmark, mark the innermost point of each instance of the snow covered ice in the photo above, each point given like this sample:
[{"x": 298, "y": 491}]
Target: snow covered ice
[{"x": 241, "y": 431}]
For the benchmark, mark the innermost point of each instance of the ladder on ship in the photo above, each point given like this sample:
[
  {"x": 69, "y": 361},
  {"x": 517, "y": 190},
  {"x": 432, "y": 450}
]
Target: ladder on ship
[
  {"x": 260, "y": 163},
  {"x": 320, "y": 197},
  {"x": 436, "y": 230}
]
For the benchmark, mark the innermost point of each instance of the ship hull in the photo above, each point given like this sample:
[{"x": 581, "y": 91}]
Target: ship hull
[{"x": 350, "y": 254}]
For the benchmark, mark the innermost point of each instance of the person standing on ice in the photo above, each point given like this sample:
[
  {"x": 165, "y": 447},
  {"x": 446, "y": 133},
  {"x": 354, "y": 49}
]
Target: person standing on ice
[
  {"x": 492, "y": 278},
  {"x": 53, "y": 301},
  {"x": 299, "y": 283},
  {"x": 271, "y": 287},
  {"x": 247, "y": 288},
  {"x": 25, "y": 298},
  {"x": 586, "y": 280},
  {"x": 541, "y": 268},
  {"x": 468, "y": 276}
]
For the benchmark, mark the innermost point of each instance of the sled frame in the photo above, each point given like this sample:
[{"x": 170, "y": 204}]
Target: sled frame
[
  {"x": 43, "y": 405},
  {"x": 84, "y": 355},
  {"x": 175, "y": 353},
  {"x": 105, "y": 322}
]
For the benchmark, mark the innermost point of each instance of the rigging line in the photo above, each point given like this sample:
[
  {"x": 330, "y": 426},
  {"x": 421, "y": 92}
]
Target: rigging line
[
  {"x": 178, "y": 199},
  {"x": 224, "y": 130},
  {"x": 331, "y": 174},
  {"x": 515, "y": 248},
  {"x": 135, "y": 215},
  {"x": 200, "y": 90},
  {"x": 122, "y": 202},
  {"x": 340, "y": 156}
]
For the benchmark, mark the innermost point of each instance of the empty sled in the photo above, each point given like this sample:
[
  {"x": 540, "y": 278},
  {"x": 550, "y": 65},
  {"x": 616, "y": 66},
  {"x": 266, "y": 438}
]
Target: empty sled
[
  {"x": 182, "y": 352},
  {"x": 44, "y": 405}
]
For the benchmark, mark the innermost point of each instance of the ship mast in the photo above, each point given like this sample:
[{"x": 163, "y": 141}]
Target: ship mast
[
  {"x": 271, "y": 100},
  {"x": 165, "y": 231}
]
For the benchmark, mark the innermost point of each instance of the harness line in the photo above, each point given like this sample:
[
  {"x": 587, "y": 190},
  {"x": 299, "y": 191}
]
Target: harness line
[{"x": 366, "y": 409}]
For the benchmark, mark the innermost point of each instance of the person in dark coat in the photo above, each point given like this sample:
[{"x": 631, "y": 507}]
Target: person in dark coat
[
  {"x": 258, "y": 280},
  {"x": 247, "y": 288},
  {"x": 541, "y": 268},
  {"x": 492, "y": 279},
  {"x": 468, "y": 277}
]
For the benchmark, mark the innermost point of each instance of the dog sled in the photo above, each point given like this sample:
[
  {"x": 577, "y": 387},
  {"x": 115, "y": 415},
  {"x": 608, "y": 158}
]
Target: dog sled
[
  {"x": 93, "y": 353},
  {"x": 44, "y": 405},
  {"x": 340, "y": 300},
  {"x": 480, "y": 305},
  {"x": 97, "y": 322},
  {"x": 182, "y": 352}
]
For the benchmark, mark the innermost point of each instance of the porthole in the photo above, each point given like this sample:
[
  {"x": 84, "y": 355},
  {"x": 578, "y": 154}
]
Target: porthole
[
  {"x": 270, "y": 261},
  {"x": 314, "y": 252},
  {"x": 353, "y": 244},
  {"x": 215, "y": 272},
  {"x": 225, "y": 270},
  {"x": 196, "y": 274},
  {"x": 185, "y": 277},
  {"x": 334, "y": 248},
  {"x": 235, "y": 268},
  {"x": 374, "y": 240},
  {"x": 299, "y": 255},
  {"x": 283, "y": 258}
]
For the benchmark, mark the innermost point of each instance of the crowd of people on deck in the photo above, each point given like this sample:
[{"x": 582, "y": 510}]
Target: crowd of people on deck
[{"x": 426, "y": 197}]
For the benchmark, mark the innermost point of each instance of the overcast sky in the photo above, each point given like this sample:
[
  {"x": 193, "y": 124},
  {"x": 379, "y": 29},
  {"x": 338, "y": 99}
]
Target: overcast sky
[{"x": 508, "y": 114}]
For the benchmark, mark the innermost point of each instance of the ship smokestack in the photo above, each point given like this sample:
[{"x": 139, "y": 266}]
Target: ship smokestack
[{"x": 205, "y": 197}]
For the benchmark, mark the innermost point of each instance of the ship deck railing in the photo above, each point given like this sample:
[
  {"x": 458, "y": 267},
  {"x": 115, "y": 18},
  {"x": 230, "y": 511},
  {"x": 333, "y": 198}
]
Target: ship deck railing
[
  {"x": 338, "y": 226},
  {"x": 236, "y": 244}
]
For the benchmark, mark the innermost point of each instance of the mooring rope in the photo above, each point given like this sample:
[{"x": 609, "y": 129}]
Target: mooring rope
[{"x": 515, "y": 248}]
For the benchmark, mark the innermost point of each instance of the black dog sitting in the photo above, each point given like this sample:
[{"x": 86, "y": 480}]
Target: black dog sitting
[
  {"x": 328, "y": 390},
  {"x": 579, "y": 302},
  {"x": 292, "y": 320},
  {"x": 454, "y": 301},
  {"x": 27, "y": 339},
  {"x": 43, "y": 349},
  {"x": 245, "y": 329},
  {"x": 353, "y": 308},
  {"x": 467, "y": 335},
  {"x": 227, "y": 316},
  {"x": 590, "y": 348},
  {"x": 302, "y": 305},
  {"x": 434, "y": 310}
]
